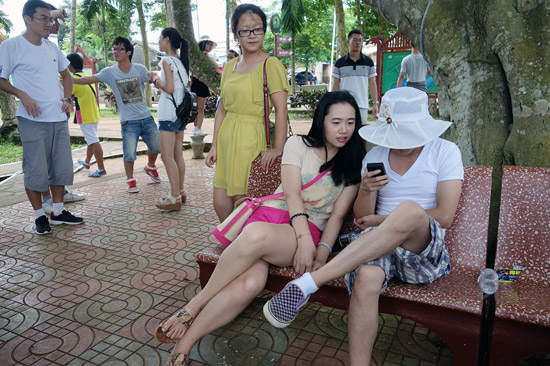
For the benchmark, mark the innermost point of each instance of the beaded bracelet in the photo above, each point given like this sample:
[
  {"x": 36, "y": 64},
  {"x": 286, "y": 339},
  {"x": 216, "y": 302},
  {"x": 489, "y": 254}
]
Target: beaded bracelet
[
  {"x": 326, "y": 246},
  {"x": 296, "y": 215}
]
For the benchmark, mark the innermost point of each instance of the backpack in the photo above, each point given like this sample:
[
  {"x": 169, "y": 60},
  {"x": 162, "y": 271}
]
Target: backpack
[{"x": 188, "y": 109}]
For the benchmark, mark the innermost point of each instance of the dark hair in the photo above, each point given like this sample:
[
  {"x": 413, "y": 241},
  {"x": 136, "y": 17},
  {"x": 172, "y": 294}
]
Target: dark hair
[
  {"x": 76, "y": 61},
  {"x": 242, "y": 10},
  {"x": 30, "y": 7},
  {"x": 178, "y": 42},
  {"x": 354, "y": 31},
  {"x": 128, "y": 46},
  {"x": 346, "y": 164},
  {"x": 234, "y": 53},
  {"x": 202, "y": 45}
]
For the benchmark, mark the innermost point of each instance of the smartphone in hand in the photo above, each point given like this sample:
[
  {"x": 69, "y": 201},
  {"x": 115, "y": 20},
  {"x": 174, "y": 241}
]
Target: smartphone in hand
[{"x": 376, "y": 166}]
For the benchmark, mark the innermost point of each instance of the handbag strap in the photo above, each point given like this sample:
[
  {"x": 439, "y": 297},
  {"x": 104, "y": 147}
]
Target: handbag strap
[
  {"x": 304, "y": 187},
  {"x": 266, "y": 107}
]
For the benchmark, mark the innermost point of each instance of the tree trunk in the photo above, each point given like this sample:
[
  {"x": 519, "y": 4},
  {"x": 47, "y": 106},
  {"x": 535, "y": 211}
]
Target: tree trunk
[
  {"x": 340, "y": 28},
  {"x": 73, "y": 25},
  {"x": 202, "y": 68},
  {"x": 489, "y": 60},
  {"x": 8, "y": 108},
  {"x": 170, "y": 22},
  {"x": 228, "y": 11},
  {"x": 103, "y": 30},
  {"x": 293, "y": 64},
  {"x": 146, "y": 60}
]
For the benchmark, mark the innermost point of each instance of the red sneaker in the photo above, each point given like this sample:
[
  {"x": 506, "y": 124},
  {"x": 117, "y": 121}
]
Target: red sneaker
[
  {"x": 152, "y": 173},
  {"x": 131, "y": 186}
]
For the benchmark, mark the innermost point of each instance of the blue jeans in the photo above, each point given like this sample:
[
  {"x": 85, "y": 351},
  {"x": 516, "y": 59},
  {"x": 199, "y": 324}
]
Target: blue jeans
[{"x": 132, "y": 130}]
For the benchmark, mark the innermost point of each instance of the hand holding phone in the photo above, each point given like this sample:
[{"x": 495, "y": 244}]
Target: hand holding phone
[{"x": 376, "y": 166}]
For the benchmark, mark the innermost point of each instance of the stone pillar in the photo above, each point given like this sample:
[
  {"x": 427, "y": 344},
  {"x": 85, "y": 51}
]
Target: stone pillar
[{"x": 197, "y": 144}]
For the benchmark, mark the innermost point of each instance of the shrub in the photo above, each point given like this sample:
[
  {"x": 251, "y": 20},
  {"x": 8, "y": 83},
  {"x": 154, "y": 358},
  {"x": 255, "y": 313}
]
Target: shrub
[
  {"x": 307, "y": 99},
  {"x": 109, "y": 97},
  {"x": 210, "y": 106}
]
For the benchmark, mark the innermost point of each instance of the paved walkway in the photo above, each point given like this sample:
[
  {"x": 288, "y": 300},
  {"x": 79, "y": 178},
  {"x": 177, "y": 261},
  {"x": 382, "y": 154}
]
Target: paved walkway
[{"x": 93, "y": 294}]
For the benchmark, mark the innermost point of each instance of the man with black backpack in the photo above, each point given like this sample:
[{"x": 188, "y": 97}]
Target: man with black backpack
[{"x": 127, "y": 82}]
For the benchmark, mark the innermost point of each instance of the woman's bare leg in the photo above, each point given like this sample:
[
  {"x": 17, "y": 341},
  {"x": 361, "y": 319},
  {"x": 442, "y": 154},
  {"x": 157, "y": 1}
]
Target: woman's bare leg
[
  {"x": 223, "y": 204},
  {"x": 274, "y": 244},
  {"x": 167, "y": 144},
  {"x": 178, "y": 157},
  {"x": 225, "y": 306}
]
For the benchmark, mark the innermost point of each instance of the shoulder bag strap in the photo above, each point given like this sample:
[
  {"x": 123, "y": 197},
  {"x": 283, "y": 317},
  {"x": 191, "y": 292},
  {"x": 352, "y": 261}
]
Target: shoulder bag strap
[
  {"x": 181, "y": 79},
  {"x": 304, "y": 187},
  {"x": 266, "y": 107}
]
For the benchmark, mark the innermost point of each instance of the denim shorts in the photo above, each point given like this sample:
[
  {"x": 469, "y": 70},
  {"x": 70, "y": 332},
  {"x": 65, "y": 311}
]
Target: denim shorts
[
  {"x": 132, "y": 130},
  {"x": 409, "y": 267},
  {"x": 172, "y": 126}
]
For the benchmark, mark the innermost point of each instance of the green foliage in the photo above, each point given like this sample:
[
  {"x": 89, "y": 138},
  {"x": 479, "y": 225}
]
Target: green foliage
[
  {"x": 307, "y": 99},
  {"x": 292, "y": 16},
  {"x": 5, "y": 23},
  {"x": 210, "y": 106}
]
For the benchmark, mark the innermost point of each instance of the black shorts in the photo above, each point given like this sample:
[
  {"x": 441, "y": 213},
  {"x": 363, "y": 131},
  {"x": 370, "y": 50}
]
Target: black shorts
[{"x": 199, "y": 88}]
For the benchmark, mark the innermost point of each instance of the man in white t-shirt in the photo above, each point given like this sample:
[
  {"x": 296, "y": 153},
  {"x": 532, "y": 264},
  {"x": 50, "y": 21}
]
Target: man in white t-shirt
[
  {"x": 404, "y": 213},
  {"x": 127, "y": 80},
  {"x": 34, "y": 64}
]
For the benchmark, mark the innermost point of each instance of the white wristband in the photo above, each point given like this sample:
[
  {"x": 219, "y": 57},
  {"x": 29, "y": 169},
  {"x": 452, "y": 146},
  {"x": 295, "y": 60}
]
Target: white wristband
[{"x": 326, "y": 246}]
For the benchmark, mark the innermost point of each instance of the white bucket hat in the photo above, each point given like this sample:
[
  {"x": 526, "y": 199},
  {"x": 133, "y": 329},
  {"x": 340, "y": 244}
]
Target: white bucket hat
[
  {"x": 208, "y": 39},
  {"x": 404, "y": 121}
]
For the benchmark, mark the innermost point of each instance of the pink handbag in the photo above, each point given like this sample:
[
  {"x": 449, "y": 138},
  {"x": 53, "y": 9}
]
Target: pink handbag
[{"x": 231, "y": 227}]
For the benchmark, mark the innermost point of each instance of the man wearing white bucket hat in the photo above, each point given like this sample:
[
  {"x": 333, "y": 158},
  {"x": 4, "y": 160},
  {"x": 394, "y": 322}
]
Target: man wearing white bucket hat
[{"x": 404, "y": 214}]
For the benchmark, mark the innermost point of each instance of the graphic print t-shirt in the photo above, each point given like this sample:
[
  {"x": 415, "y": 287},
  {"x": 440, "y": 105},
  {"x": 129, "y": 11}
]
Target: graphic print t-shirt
[{"x": 128, "y": 89}]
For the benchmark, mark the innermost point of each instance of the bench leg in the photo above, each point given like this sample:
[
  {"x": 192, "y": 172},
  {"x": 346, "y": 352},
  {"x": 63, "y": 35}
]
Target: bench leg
[{"x": 514, "y": 341}]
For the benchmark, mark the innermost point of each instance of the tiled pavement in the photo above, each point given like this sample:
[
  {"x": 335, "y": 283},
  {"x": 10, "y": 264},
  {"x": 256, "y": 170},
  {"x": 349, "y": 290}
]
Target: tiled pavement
[{"x": 93, "y": 294}]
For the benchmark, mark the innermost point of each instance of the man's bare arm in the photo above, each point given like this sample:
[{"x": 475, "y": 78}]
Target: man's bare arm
[
  {"x": 448, "y": 194},
  {"x": 335, "y": 84},
  {"x": 400, "y": 79},
  {"x": 86, "y": 80}
]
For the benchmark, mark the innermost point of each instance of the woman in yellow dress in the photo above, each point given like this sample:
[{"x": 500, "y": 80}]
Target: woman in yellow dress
[{"x": 239, "y": 128}]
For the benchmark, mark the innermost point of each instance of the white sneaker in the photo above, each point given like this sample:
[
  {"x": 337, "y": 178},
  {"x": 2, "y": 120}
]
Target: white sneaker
[
  {"x": 195, "y": 130},
  {"x": 200, "y": 133},
  {"x": 72, "y": 196},
  {"x": 48, "y": 206}
]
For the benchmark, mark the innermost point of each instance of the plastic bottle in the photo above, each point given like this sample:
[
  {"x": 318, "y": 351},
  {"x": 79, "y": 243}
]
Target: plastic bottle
[
  {"x": 345, "y": 239},
  {"x": 488, "y": 281}
]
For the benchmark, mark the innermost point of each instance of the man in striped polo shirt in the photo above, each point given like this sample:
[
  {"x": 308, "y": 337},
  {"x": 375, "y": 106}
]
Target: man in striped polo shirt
[{"x": 356, "y": 73}]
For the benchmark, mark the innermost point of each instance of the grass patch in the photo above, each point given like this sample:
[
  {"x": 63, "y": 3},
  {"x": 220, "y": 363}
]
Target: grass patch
[{"x": 11, "y": 152}]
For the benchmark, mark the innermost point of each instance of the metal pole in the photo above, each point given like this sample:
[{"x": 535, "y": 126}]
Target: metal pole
[{"x": 332, "y": 51}]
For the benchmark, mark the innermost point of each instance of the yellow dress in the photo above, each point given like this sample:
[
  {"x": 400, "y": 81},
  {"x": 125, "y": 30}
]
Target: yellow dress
[{"x": 242, "y": 133}]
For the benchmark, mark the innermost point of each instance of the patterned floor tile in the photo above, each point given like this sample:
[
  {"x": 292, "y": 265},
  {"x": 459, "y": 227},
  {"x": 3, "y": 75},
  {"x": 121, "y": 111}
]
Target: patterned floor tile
[
  {"x": 155, "y": 224},
  {"x": 18, "y": 276},
  {"x": 116, "y": 266},
  {"x": 16, "y": 318},
  {"x": 118, "y": 240},
  {"x": 158, "y": 246},
  {"x": 83, "y": 234},
  {"x": 55, "y": 341},
  {"x": 113, "y": 308},
  {"x": 74, "y": 258},
  {"x": 162, "y": 278},
  {"x": 115, "y": 350},
  {"x": 10, "y": 236},
  {"x": 62, "y": 293},
  {"x": 34, "y": 249}
]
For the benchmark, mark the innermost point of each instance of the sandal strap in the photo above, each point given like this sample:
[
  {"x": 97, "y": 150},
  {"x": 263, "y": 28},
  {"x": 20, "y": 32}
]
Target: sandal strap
[
  {"x": 179, "y": 359},
  {"x": 183, "y": 313}
]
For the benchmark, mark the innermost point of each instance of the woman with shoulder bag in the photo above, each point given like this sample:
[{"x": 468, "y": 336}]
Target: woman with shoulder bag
[
  {"x": 174, "y": 75},
  {"x": 239, "y": 128},
  {"x": 297, "y": 229}
]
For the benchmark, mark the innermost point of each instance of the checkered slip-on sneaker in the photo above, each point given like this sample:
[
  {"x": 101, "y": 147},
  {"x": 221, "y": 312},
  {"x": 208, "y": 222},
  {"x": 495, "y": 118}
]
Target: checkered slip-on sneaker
[{"x": 282, "y": 309}]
